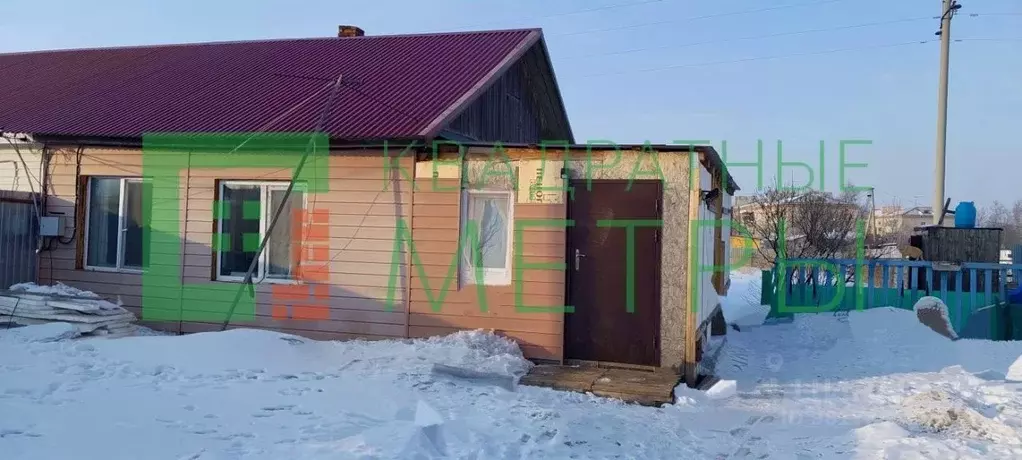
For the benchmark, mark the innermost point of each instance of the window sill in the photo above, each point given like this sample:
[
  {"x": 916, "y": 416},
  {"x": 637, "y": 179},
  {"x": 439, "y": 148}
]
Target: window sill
[
  {"x": 239, "y": 279},
  {"x": 495, "y": 279},
  {"x": 470, "y": 284},
  {"x": 126, "y": 271}
]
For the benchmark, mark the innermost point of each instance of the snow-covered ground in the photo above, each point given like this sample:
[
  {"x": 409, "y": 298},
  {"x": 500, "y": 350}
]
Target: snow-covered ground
[
  {"x": 875, "y": 384},
  {"x": 741, "y": 306}
]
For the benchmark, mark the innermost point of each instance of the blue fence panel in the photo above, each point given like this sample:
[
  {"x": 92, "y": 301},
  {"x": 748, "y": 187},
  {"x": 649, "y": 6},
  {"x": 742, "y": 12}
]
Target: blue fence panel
[{"x": 897, "y": 283}]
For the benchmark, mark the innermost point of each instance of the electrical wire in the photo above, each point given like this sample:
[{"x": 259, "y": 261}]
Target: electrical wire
[
  {"x": 973, "y": 15},
  {"x": 566, "y": 13},
  {"x": 759, "y": 58},
  {"x": 755, "y": 37},
  {"x": 78, "y": 175},
  {"x": 986, "y": 39},
  {"x": 698, "y": 18}
]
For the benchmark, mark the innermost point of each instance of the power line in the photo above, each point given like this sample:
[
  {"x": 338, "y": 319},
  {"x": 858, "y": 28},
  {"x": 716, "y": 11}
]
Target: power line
[
  {"x": 973, "y": 15},
  {"x": 697, "y": 18},
  {"x": 987, "y": 40},
  {"x": 569, "y": 13},
  {"x": 761, "y": 58},
  {"x": 598, "y": 8},
  {"x": 754, "y": 37}
]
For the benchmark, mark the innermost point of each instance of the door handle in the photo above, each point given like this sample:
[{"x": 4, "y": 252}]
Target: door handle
[{"x": 578, "y": 256}]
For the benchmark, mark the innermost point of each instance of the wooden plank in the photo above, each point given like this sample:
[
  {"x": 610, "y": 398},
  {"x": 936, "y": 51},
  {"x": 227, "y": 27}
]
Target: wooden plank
[
  {"x": 426, "y": 196},
  {"x": 341, "y": 308},
  {"x": 438, "y": 273},
  {"x": 563, "y": 378},
  {"x": 446, "y": 223},
  {"x": 450, "y": 211},
  {"x": 496, "y": 297},
  {"x": 494, "y": 311},
  {"x": 444, "y": 260},
  {"x": 500, "y": 324},
  {"x": 546, "y": 238},
  {"x": 642, "y": 387},
  {"x": 118, "y": 284},
  {"x": 647, "y": 388},
  {"x": 540, "y": 212},
  {"x": 692, "y": 272},
  {"x": 429, "y": 235}
]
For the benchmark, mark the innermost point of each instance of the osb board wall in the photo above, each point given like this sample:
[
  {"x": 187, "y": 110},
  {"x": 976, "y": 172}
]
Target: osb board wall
[
  {"x": 364, "y": 208},
  {"x": 436, "y": 229}
]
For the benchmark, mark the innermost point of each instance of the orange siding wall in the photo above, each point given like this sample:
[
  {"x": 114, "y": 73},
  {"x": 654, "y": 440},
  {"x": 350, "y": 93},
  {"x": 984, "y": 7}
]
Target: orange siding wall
[
  {"x": 436, "y": 231},
  {"x": 364, "y": 209}
]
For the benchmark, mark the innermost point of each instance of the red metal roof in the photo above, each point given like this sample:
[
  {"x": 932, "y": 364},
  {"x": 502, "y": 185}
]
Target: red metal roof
[{"x": 392, "y": 86}]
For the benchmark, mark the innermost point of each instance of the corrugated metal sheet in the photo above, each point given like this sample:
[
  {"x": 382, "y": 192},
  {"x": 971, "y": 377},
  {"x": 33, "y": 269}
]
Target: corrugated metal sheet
[
  {"x": 18, "y": 233},
  {"x": 393, "y": 86}
]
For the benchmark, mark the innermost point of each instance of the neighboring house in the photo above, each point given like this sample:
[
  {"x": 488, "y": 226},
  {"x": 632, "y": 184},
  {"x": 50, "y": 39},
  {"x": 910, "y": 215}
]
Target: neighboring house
[
  {"x": 20, "y": 167},
  {"x": 751, "y": 211},
  {"x": 894, "y": 220},
  {"x": 758, "y": 216},
  {"x": 88, "y": 110}
]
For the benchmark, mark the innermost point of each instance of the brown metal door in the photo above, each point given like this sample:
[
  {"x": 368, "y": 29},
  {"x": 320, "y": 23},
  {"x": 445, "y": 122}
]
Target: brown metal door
[{"x": 602, "y": 328}]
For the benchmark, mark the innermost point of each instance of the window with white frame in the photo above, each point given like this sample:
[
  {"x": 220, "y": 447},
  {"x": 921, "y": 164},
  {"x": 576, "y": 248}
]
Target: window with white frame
[
  {"x": 243, "y": 215},
  {"x": 113, "y": 223},
  {"x": 490, "y": 213}
]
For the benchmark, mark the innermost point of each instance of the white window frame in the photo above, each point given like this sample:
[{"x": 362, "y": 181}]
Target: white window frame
[
  {"x": 491, "y": 276},
  {"x": 260, "y": 275},
  {"x": 121, "y": 229}
]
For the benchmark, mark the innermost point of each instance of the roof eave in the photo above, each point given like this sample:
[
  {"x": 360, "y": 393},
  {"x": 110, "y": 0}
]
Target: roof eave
[{"x": 137, "y": 142}]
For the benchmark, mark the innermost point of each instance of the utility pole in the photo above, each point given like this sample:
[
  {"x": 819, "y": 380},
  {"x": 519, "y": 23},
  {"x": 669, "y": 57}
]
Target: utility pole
[{"x": 947, "y": 11}]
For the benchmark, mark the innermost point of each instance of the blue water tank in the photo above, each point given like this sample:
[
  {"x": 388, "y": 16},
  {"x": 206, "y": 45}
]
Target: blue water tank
[{"x": 965, "y": 215}]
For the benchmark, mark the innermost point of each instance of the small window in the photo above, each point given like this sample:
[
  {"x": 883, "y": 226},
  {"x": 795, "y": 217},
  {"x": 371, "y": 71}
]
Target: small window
[
  {"x": 113, "y": 229},
  {"x": 243, "y": 215},
  {"x": 490, "y": 213}
]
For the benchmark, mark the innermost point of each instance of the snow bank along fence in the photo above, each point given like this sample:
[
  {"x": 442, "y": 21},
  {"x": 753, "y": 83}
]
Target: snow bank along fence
[
  {"x": 835, "y": 285},
  {"x": 18, "y": 235}
]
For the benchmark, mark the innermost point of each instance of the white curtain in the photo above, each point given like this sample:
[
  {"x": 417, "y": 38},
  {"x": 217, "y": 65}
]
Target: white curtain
[
  {"x": 279, "y": 249},
  {"x": 489, "y": 213}
]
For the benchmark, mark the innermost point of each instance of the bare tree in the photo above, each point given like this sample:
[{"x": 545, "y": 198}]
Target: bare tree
[
  {"x": 999, "y": 216},
  {"x": 807, "y": 224}
]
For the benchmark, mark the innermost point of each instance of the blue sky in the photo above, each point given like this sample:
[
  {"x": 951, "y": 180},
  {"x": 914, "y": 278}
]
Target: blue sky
[{"x": 885, "y": 94}]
